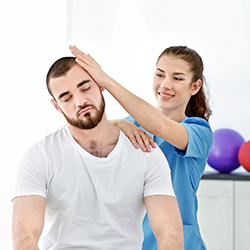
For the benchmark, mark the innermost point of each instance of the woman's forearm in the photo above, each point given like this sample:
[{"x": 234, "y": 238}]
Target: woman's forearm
[{"x": 148, "y": 116}]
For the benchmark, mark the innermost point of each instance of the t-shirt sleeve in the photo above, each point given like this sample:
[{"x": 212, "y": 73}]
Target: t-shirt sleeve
[
  {"x": 31, "y": 173},
  {"x": 157, "y": 175},
  {"x": 200, "y": 138}
]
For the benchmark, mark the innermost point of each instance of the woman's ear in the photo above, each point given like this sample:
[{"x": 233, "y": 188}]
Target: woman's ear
[
  {"x": 55, "y": 104},
  {"x": 196, "y": 87}
]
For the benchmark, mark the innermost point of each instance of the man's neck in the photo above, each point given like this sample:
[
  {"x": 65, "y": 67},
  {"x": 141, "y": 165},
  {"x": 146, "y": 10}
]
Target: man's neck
[{"x": 98, "y": 141}]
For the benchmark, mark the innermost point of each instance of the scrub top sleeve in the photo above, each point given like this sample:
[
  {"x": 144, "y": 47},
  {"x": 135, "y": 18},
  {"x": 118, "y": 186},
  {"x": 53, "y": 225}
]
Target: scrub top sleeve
[{"x": 200, "y": 138}]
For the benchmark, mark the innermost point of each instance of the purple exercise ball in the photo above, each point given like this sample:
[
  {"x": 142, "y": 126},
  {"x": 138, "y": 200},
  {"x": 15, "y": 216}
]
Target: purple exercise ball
[{"x": 223, "y": 155}]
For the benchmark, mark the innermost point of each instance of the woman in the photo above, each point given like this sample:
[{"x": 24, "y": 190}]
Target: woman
[{"x": 179, "y": 125}]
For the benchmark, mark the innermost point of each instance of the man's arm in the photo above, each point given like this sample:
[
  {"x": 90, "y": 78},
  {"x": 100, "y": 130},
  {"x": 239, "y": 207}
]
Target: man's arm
[
  {"x": 27, "y": 222},
  {"x": 165, "y": 221}
]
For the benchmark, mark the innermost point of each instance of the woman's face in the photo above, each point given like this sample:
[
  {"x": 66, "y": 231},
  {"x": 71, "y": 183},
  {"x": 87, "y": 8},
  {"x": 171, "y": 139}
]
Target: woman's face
[{"x": 172, "y": 86}]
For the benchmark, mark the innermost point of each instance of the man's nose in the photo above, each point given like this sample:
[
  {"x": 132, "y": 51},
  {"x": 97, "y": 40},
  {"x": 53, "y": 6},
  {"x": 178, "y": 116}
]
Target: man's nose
[{"x": 80, "y": 101}]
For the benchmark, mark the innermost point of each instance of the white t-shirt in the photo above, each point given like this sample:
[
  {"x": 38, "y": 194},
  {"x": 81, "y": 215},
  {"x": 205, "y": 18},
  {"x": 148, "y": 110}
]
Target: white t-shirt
[{"x": 92, "y": 203}]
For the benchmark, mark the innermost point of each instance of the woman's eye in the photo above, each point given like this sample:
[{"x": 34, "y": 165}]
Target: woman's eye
[
  {"x": 159, "y": 75},
  {"x": 177, "y": 78}
]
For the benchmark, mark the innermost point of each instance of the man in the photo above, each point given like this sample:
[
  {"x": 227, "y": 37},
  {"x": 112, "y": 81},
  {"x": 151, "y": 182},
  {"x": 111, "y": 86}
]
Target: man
[{"x": 86, "y": 185}]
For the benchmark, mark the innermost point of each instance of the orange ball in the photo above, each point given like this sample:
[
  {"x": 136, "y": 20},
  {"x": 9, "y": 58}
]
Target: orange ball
[{"x": 244, "y": 155}]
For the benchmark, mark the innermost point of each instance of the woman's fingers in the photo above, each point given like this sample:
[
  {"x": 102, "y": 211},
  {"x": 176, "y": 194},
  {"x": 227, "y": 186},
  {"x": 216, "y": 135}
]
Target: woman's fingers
[
  {"x": 137, "y": 136},
  {"x": 145, "y": 141},
  {"x": 82, "y": 64},
  {"x": 93, "y": 60},
  {"x": 82, "y": 57},
  {"x": 78, "y": 54},
  {"x": 141, "y": 139},
  {"x": 133, "y": 140},
  {"x": 151, "y": 142}
]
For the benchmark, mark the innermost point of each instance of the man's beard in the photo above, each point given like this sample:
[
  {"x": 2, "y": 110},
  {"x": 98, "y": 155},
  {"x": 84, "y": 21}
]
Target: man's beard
[{"x": 88, "y": 122}]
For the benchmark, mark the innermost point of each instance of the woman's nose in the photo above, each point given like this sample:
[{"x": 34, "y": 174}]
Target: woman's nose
[{"x": 166, "y": 83}]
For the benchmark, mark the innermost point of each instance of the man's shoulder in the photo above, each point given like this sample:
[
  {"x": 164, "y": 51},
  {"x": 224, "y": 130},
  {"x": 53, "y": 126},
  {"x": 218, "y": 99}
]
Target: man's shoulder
[
  {"x": 55, "y": 137},
  {"x": 49, "y": 141},
  {"x": 50, "y": 147},
  {"x": 154, "y": 153}
]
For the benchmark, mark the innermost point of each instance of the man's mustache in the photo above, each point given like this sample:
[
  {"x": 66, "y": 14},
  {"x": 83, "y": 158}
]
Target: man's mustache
[{"x": 83, "y": 107}]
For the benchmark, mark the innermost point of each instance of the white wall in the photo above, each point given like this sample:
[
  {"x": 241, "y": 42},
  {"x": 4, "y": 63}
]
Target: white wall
[
  {"x": 33, "y": 36},
  {"x": 125, "y": 37}
]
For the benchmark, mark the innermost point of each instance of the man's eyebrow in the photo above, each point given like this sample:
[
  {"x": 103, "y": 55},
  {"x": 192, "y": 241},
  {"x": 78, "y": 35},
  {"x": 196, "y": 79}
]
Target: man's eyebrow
[{"x": 81, "y": 83}]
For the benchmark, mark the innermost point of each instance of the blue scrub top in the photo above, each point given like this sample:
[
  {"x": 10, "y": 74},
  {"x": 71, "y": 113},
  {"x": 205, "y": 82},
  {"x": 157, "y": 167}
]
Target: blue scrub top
[{"x": 186, "y": 171}]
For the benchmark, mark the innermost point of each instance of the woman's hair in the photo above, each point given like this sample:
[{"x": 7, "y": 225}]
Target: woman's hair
[{"x": 198, "y": 105}]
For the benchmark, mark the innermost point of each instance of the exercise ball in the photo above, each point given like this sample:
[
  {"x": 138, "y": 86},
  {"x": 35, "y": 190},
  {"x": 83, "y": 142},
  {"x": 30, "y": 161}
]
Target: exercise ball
[
  {"x": 223, "y": 155},
  {"x": 244, "y": 155}
]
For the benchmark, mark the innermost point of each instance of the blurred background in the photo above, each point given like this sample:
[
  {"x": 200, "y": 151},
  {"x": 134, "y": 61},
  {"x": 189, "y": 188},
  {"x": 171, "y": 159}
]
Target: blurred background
[{"x": 125, "y": 37}]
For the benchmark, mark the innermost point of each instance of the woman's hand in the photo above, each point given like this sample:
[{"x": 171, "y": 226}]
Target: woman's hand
[
  {"x": 91, "y": 66},
  {"x": 138, "y": 137}
]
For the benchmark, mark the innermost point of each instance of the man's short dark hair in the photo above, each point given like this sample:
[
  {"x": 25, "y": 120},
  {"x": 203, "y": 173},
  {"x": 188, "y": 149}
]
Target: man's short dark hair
[{"x": 59, "y": 68}]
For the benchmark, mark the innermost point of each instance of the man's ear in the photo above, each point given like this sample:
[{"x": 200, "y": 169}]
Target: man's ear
[
  {"x": 196, "y": 87},
  {"x": 55, "y": 104}
]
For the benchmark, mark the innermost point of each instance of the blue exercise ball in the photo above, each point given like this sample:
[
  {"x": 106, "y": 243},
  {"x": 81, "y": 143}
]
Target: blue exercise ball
[{"x": 223, "y": 155}]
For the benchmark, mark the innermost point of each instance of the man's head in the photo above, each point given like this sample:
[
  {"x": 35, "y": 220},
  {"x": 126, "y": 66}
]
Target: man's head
[{"x": 75, "y": 94}]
